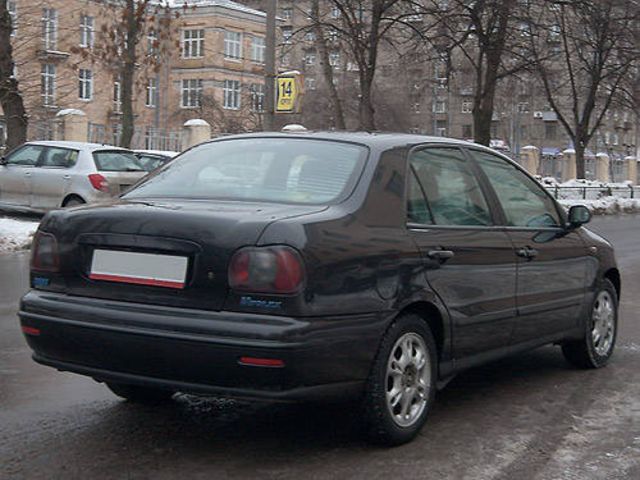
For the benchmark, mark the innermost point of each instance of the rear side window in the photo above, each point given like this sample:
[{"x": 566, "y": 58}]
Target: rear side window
[
  {"x": 452, "y": 189},
  {"x": 25, "y": 156},
  {"x": 114, "y": 161},
  {"x": 58, "y": 157},
  {"x": 417, "y": 208},
  {"x": 151, "y": 162},
  {"x": 525, "y": 203},
  {"x": 284, "y": 170}
]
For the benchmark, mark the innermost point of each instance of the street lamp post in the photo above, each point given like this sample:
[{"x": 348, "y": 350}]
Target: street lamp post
[{"x": 270, "y": 65}]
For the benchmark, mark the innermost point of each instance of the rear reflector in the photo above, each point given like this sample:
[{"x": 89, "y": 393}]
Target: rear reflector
[
  {"x": 261, "y": 362},
  {"x": 30, "y": 330}
]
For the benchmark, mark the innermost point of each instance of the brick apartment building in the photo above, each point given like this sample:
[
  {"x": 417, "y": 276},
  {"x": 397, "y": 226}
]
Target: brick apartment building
[{"x": 213, "y": 69}]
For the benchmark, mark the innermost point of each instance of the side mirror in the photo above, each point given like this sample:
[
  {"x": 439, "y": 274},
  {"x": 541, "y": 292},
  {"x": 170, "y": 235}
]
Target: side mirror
[
  {"x": 3, "y": 161},
  {"x": 578, "y": 216}
]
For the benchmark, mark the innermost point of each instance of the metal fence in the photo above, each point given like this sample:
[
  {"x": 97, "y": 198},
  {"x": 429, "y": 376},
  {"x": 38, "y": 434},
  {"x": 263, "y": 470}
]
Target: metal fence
[
  {"x": 593, "y": 192},
  {"x": 144, "y": 138}
]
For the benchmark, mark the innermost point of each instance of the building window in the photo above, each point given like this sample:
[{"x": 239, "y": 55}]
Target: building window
[
  {"x": 549, "y": 130},
  {"x": 49, "y": 28},
  {"x": 257, "y": 49},
  {"x": 117, "y": 96},
  {"x": 310, "y": 83},
  {"x": 85, "y": 90},
  {"x": 86, "y": 31},
  {"x": 310, "y": 36},
  {"x": 467, "y": 107},
  {"x": 333, "y": 34},
  {"x": 152, "y": 93},
  {"x": 441, "y": 128},
  {"x": 286, "y": 13},
  {"x": 335, "y": 12},
  {"x": 440, "y": 106},
  {"x": 48, "y": 84},
  {"x": 191, "y": 93},
  {"x": 310, "y": 58},
  {"x": 192, "y": 43},
  {"x": 152, "y": 43},
  {"x": 257, "y": 97},
  {"x": 467, "y": 132},
  {"x": 334, "y": 60},
  {"x": 523, "y": 107},
  {"x": 287, "y": 33},
  {"x": 232, "y": 45},
  {"x": 231, "y": 92},
  {"x": 12, "y": 8}
]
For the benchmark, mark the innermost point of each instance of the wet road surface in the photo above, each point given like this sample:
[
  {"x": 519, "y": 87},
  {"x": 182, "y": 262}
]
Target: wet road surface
[{"x": 527, "y": 417}]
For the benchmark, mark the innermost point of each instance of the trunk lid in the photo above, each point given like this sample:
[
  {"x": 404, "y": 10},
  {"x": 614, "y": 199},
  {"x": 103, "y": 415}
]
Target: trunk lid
[{"x": 206, "y": 234}]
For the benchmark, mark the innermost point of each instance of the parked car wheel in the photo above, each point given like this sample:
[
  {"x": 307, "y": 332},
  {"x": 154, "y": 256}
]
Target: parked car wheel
[
  {"x": 596, "y": 348},
  {"x": 401, "y": 386},
  {"x": 73, "y": 202},
  {"x": 138, "y": 394}
]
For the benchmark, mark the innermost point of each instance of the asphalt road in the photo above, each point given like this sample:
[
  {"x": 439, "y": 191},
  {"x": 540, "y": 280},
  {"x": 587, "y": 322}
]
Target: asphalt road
[{"x": 527, "y": 417}]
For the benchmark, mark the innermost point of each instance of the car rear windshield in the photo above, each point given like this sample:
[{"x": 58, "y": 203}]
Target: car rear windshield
[
  {"x": 283, "y": 170},
  {"x": 115, "y": 161}
]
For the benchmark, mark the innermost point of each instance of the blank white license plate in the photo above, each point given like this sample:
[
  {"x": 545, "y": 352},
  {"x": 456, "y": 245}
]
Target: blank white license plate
[{"x": 139, "y": 268}]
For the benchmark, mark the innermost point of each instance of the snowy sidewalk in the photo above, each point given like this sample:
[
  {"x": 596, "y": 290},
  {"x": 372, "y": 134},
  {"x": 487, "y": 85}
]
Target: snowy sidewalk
[{"x": 16, "y": 234}]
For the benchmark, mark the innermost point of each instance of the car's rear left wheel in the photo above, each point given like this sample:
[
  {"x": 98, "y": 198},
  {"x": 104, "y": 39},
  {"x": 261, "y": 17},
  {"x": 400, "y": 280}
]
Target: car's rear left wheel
[
  {"x": 401, "y": 386},
  {"x": 139, "y": 394}
]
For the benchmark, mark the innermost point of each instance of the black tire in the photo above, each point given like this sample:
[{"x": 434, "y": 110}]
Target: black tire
[
  {"x": 138, "y": 394},
  {"x": 381, "y": 427},
  {"x": 74, "y": 202},
  {"x": 584, "y": 353}
]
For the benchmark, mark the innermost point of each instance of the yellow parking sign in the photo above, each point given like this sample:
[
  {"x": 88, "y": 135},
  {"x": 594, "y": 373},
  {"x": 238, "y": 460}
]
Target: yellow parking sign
[{"x": 287, "y": 93}]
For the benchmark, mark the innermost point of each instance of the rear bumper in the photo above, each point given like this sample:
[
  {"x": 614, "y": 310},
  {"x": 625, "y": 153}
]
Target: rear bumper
[{"x": 199, "y": 351}]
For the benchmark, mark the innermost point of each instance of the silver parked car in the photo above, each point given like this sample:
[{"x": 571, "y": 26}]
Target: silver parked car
[{"x": 42, "y": 176}]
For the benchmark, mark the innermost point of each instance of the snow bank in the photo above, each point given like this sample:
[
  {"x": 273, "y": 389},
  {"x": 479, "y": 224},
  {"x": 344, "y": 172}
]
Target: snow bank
[
  {"x": 605, "y": 205},
  {"x": 16, "y": 234}
]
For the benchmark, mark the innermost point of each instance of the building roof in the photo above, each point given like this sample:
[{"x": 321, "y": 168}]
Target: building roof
[{"x": 213, "y": 3}]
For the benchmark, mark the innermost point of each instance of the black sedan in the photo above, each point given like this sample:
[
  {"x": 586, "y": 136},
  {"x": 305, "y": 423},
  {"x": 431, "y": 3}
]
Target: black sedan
[{"x": 319, "y": 265}]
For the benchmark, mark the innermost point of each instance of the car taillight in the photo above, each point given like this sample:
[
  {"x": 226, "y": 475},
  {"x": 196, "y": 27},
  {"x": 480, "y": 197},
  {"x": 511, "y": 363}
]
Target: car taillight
[
  {"x": 44, "y": 253},
  {"x": 276, "y": 269},
  {"x": 99, "y": 182}
]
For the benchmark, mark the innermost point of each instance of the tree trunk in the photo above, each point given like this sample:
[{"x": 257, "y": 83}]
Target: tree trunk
[
  {"x": 580, "y": 147},
  {"x": 128, "y": 73},
  {"x": 327, "y": 69},
  {"x": 367, "y": 111},
  {"x": 10, "y": 96}
]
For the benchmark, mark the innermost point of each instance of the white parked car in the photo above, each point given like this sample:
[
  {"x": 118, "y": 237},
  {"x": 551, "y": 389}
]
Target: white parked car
[{"x": 41, "y": 176}]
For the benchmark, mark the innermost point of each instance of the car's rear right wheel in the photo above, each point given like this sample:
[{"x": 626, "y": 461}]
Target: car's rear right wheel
[
  {"x": 139, "y": 394},
  {"x": 402, "y": 383}
]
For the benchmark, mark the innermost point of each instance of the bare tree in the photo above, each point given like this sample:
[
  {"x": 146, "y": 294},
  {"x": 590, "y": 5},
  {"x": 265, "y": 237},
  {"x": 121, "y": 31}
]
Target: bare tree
[
  {"x": 327, "y": 68},
  {"x": 10, "y": 96},
  {"x": 489, "y": 35},
  {"x": 584, "y": 51},
  {"x": 132, "y": 61},
  {"x": 361, "y": 28}
]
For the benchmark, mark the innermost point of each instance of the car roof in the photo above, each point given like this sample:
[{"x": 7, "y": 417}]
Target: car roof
[
  {"x": 77, "y": 145},
  {"x": 378, "y": 140}
]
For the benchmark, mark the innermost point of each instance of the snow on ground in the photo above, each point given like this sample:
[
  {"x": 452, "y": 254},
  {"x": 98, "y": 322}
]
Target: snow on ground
[
  {"x": 16, "y": 234},
  {"x": 605, "y": 205}
]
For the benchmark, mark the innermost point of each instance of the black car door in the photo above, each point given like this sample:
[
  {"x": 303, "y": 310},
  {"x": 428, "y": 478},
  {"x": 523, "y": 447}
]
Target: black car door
[
  {"x": 552, "y": 262},
  {"x": 470, "y": 263}
]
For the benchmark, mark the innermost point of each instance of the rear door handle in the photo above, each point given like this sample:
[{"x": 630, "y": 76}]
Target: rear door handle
[
  {"x": 440, "y": 255},
  {"x": 527, "y": 252}
]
